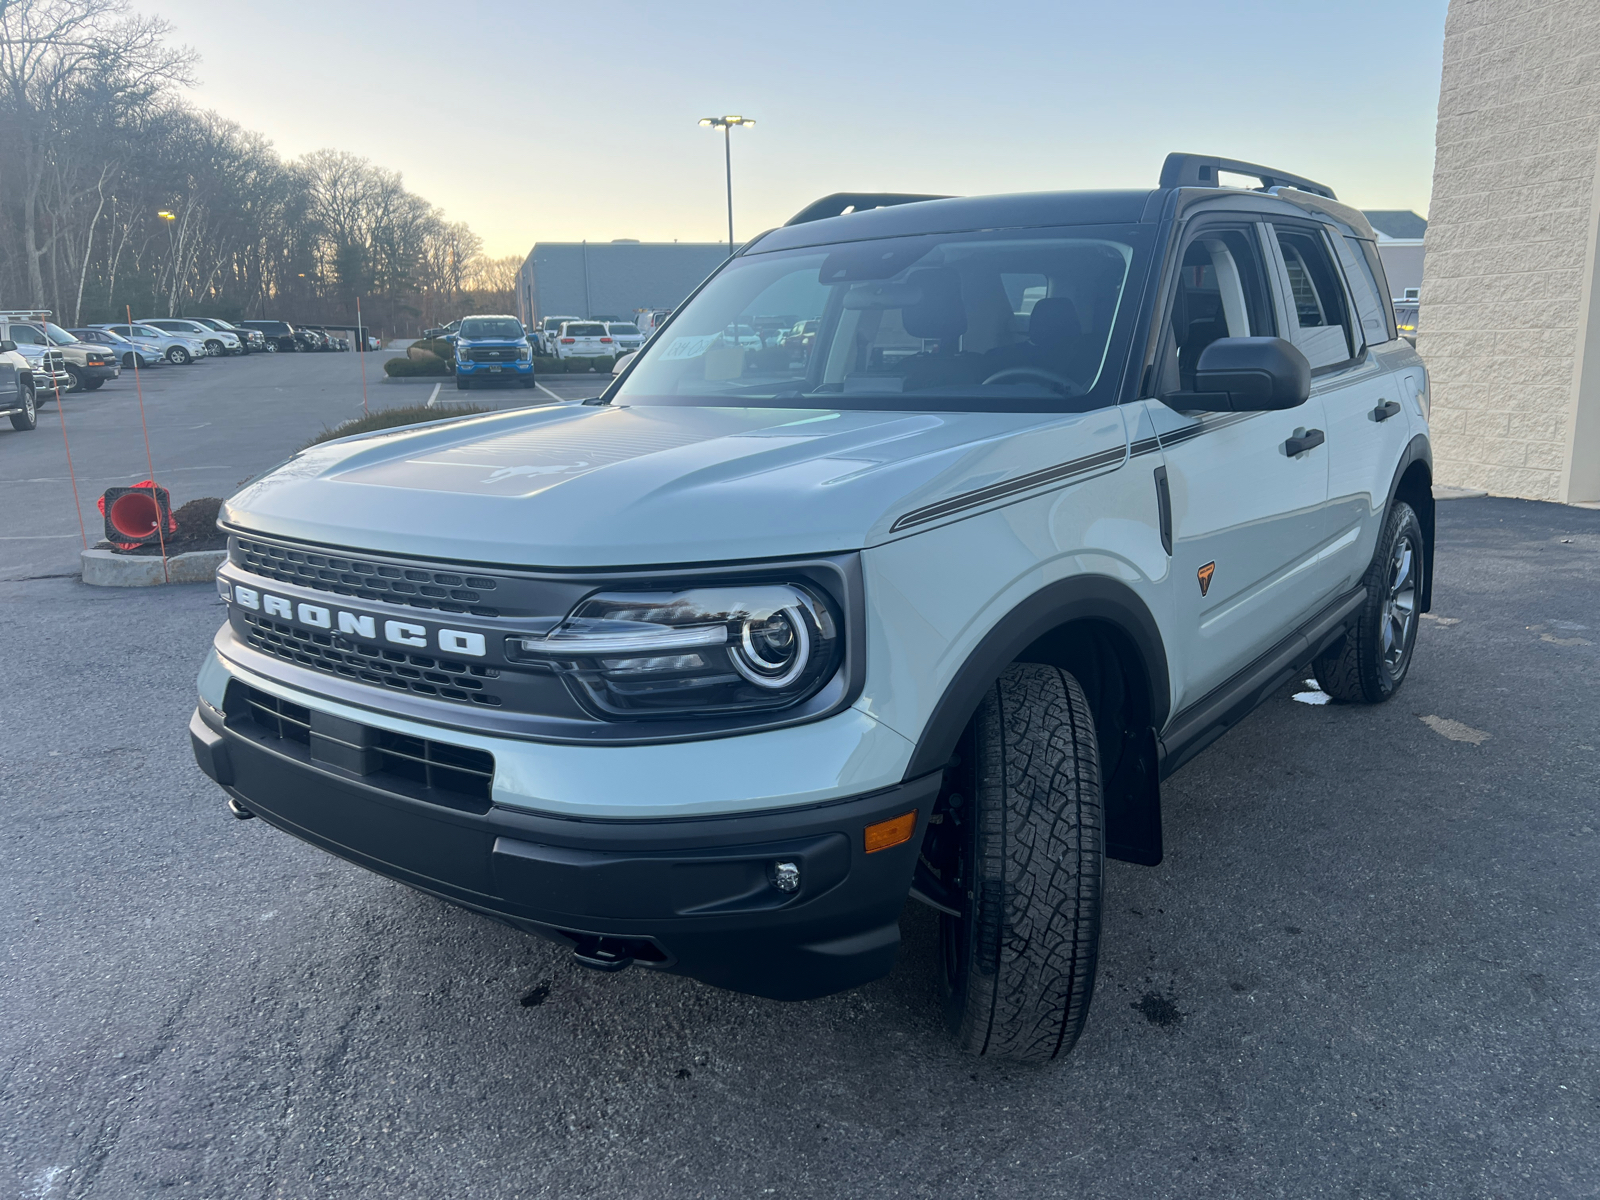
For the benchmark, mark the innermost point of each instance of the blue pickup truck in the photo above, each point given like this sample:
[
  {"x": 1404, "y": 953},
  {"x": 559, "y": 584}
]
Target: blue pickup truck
[{"x": 493, "y": 348}]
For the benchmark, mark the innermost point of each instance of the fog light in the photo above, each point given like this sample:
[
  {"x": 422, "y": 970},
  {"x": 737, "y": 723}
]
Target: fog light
[
  {"x": 787, "y": 876},
  {"x": 893, "y": 832}
]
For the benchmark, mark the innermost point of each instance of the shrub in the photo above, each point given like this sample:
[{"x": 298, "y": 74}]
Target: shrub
[
  {"x": 437, "y": 347},
  {"x": 548, "y": 366},
  {"x": 393, "y": 418},
  {"x": 405, "y": 368}
]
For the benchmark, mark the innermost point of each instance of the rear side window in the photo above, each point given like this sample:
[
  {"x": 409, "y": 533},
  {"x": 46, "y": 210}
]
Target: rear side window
[
  {"x": 1315, "y": 299},
  {"x": 1370, "y": 268}
]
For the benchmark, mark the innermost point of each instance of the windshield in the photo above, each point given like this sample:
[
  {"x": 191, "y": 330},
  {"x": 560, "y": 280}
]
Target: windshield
[
  {"x": 1006, "y": 320},
  {"x": 623, "y": 328},
  {"x": 58, "y": 335},
  {"x": 491, "y": 327},
  {"x": 551, "y": 324}
]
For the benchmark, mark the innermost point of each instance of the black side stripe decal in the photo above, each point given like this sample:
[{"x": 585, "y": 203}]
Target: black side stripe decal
[
  {"x": 1022, "y": 483},
  {"x": 1061, "y": 473}
]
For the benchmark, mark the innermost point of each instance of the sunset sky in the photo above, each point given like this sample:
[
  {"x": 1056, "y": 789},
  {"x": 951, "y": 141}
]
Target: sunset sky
[{"x": 535, "y": 121}]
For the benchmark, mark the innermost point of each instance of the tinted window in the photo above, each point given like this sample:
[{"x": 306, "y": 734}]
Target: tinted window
[
  {"x": 1372, "y": 314},
  {"x": 586, "y": 331},
  {"x": 1014, "y": 320},
  {"x": 1315, "y": 300},
  {"x": 491, "y": 327},
  {"x": 1221, "y": 291},
  {"x": 623, "y": 328}
]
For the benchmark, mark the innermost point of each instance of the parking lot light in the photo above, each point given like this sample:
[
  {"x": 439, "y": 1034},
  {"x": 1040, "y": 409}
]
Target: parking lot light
[{"x": 726, "y": 124}]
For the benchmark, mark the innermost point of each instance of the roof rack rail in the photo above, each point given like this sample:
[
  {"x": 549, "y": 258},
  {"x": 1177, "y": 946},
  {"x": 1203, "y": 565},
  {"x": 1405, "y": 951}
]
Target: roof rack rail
[
  {"x": 840, "y": 203},
  {"x": 1200, "y": 170},
  {"x": 25, "y": 314}
]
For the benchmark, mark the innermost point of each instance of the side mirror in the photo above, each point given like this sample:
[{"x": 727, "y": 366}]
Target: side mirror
[
  {"x": 620, "y": 363},
  {"x": 1246, "y": 374},
  {"x": 7, "y": 346}
]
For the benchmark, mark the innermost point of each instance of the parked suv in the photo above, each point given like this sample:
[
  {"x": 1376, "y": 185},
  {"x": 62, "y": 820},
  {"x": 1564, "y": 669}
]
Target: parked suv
[
  {"x": 490, "y": 349},
  {"x": 280, "y": 335},
  {"x": 217, "y": 342},
  {"x": 712, "y": 673},
  {"x": 549, "y": 332},
  {"x": 252, "y": 340},
  {"x": 178, "y": 349}
]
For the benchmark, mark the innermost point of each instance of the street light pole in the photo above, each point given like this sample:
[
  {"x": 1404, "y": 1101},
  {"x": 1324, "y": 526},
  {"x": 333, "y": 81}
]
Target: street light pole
[{"x": 726, "y": 124}]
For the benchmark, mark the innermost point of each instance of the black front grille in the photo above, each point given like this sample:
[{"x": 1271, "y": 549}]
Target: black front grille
[
  {"x": 435, "y": 772},
  {"x": 427, "y": 675},
  {"x": 417, "y": 586},
  {"x": 493, "y": 356}
]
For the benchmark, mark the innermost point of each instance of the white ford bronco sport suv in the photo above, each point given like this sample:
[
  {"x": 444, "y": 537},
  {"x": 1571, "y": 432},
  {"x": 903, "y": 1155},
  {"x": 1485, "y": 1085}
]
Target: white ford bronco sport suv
[{"x": 709, "y": 674}]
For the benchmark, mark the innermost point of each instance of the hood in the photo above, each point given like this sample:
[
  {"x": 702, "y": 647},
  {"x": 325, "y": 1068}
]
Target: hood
[{"x": 580, "y": 486}]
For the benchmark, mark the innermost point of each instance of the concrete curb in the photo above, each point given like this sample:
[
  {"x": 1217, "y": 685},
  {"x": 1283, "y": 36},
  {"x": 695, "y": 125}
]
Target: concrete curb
[
  {"x": 1440, "y": 492},
  {"x": 103, "y": 568},
  {"x": 450, "y": 379}
]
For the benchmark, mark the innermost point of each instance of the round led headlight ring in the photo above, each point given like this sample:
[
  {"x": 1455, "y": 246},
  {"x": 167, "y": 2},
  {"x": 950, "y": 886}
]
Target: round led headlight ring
[{"x": 773, "y": 650}]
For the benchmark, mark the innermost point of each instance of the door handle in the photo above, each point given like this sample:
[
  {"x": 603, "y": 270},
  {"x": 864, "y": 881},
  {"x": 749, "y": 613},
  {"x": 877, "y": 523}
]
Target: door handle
[
  {"x": 1299, "y": 444},
  {"x": 1385, "y": 410}
]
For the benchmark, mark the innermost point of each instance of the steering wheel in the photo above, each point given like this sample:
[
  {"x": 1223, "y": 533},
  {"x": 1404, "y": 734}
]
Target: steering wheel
[{"x": 1050, "y": 379}]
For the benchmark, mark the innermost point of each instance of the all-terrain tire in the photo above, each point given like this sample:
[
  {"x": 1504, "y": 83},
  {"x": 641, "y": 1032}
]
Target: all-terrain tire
[
  {"x": 1370, "y": 662},
  {"x": 1019, "y": 965},
  {"x": 27, "y": 416}
]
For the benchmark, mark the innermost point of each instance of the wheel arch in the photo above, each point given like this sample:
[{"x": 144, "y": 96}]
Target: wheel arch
[
  {"x": 1413, "y": 483},
  {"x": 1101, "y": 631}
]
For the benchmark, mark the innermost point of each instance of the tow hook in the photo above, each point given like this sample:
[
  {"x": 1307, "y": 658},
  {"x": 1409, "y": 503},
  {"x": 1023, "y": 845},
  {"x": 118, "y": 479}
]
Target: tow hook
[
  {"x": 239, "y": 810},
  {"x": 603, "y": 954}
]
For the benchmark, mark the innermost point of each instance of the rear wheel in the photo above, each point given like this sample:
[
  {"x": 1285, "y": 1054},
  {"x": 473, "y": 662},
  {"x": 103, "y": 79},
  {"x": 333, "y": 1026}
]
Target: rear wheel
[
  {"x": 177, "y": 356},
  {"x": 1369, "y": 663},
  {"x": 1019, "y": 843},
  {"x": 28, "y": 416}
]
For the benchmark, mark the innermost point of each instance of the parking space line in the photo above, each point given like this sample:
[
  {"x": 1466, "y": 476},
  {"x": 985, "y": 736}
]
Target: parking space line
[{"x": 547, "y": 391}]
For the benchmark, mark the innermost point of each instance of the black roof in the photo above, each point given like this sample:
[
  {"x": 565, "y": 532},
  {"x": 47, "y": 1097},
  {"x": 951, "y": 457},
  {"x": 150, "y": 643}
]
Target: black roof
[{"x": 1018, "y": 211}]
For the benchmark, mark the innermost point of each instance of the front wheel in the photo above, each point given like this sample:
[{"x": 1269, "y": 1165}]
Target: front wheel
[
  {"x": 74, "y": 380},
  {"x": 463, "y": 384},
  {"x": 1021, "y": 849},
  {"x": 1369, "y": 663},
  {"x": 90, "y": 385},
  {"x": 28, "y": 416},
  {"x": 214, "y": 349},
  {"x": 527, "y": 382},
  {"x": 178, "y": 356}
]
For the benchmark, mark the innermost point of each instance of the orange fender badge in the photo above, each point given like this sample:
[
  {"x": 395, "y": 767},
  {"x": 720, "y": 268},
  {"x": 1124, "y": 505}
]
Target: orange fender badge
[{"x": 1205, "y": 573}]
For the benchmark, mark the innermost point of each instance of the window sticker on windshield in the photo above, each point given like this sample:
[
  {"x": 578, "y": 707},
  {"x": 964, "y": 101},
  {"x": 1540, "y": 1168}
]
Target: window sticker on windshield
[
  {"x": 725, "y": 362},
  {"x": 688, "y": 347}
]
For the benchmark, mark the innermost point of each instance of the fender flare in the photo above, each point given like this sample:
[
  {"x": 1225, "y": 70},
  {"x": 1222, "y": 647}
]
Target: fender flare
[
  {"x": 1418, "y": 449},
  {"x": 1080, "y": 597}
]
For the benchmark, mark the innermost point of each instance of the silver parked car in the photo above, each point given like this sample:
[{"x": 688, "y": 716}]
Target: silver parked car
[
  {"x": 216, "y": 342},
  {"x": 176, "y": 348}
]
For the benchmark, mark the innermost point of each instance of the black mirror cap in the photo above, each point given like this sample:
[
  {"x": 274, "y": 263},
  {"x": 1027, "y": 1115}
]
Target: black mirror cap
[
  {"x": 1258, "y": 374},
  {"x": 7, "y": 346}
]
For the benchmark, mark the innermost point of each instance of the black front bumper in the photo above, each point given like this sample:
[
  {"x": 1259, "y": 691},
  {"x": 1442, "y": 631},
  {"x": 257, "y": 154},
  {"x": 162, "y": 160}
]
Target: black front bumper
[{"x": 693, "y": 896}]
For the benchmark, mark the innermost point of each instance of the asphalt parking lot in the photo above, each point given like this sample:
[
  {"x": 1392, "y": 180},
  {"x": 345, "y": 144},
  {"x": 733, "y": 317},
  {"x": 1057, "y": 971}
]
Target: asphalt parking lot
[
  {"x": 212, "y": 425},
  {"x": 1369, "y": 966}
]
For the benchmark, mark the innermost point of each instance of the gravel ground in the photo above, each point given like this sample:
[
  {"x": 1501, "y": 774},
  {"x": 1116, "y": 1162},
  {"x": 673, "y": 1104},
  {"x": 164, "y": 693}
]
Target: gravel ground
[{"x": 1368, "y": 967}]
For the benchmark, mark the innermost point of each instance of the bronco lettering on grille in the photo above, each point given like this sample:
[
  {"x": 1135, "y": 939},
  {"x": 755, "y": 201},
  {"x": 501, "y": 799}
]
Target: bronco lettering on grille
[{"x": 399, "y": 633}]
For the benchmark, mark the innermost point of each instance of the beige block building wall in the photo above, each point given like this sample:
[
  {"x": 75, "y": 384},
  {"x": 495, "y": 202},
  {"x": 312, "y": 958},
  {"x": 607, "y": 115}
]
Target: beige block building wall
[{"x": 1510, "y": 315}]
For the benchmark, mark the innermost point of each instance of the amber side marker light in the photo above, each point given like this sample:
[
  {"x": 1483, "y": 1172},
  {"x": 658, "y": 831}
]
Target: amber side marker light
[{"x": 892, "y": 832}]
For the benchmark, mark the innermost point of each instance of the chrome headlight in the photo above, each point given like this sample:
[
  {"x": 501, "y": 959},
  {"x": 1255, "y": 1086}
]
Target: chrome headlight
[
  {"x": 525, "y": 353},
  {"x": 700, "y": 651},
  {"x": 463, "y": 354}
]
